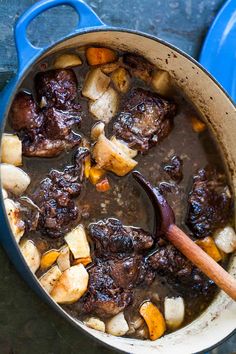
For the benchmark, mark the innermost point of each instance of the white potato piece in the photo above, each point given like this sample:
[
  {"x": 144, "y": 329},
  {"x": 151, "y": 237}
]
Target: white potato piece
[
  {"x": 97, "y": 129},
  {"x": 96, "y": 83},
  {"x": 14, "y": 179},
  {"x": 225, "y": 239},
  {"x": 71, "y": 285},
  {"x": 4, "y": 193},
  {"x": 11, "y": 150},
  {"x": 67, "y": 61},
  {"x": 63, "y": 260},
  {"x": 31, "y": 255},
  {"x": 110, "y": 67},
  {"x": 110, "y": 157},
  {"x": 48, "y": 279},
  {"x": 124, "y": 147},
  {"x": 77, "y": 242},
  {"x": 13, "y": 213},
  {"x": 161, "y": 82},
  {"x": 117, "y": 325},
  {"x": 174, "y": 310},
  {"x": 106, "y": 106},
  {"x": 121, "y": 79},
  {"x": 95, "y": 323}
]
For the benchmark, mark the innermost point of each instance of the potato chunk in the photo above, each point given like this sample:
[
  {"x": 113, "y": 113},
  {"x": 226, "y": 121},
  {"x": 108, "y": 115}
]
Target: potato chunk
[
  {"x": 98, "y": 56},
  {"x": 95, "y": 84},
  {"x": 67, "y": 61},
  {"x": 63, "y": 260},
  {"x": 31, "y": 255},
  {"x": 77, "y": 242},
  {"x": 95, "y": 323},
  {"x": 124, "y": 147},
  {"x": 106, "y": 106},
  {"x": 11, "y": 150},
  {"x": 48, "y": 279},
  {"x": 14, "y": 179},
  {"x": 161, "y": 82},
  {"x": 13, "y": 213},
  {"x": 97, "y": 129},
  {"x": 121, "y": 79},
  {"x": 117, "y": 325},
  {"x": 174, "y": 311},
  {"x": 71, "y": 285},
  {"x": 112, "y": 158},
  {"x": 154, "y": 320},
  {"x": 225, "y": 239}
]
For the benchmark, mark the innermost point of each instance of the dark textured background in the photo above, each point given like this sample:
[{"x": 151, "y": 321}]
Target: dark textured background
[{"x": 26, "y": 324}]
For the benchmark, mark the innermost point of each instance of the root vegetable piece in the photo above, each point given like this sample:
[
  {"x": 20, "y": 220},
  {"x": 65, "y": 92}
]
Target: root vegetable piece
[
  {"x": 85, "y": 261},
  {"x": 106, "y": 106},
  {"x": 87, "y": 166},
  {"x": 124, "y": 147},
  {"x": 110, "y": 67},
  {"x": 96, "y": 83},
  {"x": 71, "y": 285},
  {"x": 78, "y": 243},
  {"x": 98, "y": 56},
  {"x": 11, "y": 150},
  {"x": 109, "y": 157},
  {"x": 31, "y": 255},
  {"x": 225, "y": 239},
  {"x": 117, "y": 325},
  {"x": 14, "y": 179},
  {"x": 13, "y": 213},
  {"x": 161, "y": 82},
  {"x": 67, "y": 61},
  {"x": 48, "y": 258},
  {"x": 197, "y": 125},
  {"x": 95, "y": 323},
  {"x": 103, "y": 186},
  {"x": 174, "y": 310},
  {"x": 4, "y": 193},
  {"x": 63, "y": 260},
  {"x": 154, "y": 320},
  {"x": 208, "y": 245},
  {"x": 48, "y": 279},
  {"x": 97, "y": 129},
  {"x": 95, "y": 174},
  {"x": 121, "y": 79}
]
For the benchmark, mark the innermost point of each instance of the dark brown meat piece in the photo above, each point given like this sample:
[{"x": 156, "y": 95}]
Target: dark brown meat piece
[
  {"x": 210, "y": 205},
  {"x": 54, "y": 197},
  {"x": 57, "y": 87},
  {"x": 112, "y": 238},
  {"x": 144, "y": 120},
  {"x": 138, "y": 66},
  {"x": 168, "y": 261},
  {"x": 120, "y": 266},
  {"x": 174, "y": 169}
]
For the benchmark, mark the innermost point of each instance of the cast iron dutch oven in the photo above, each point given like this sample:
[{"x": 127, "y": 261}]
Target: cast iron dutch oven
[{"x": 218, "y": 321}]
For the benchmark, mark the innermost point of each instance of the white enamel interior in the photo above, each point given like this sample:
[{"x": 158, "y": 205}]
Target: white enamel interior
[{"x": 219, "y": 320}]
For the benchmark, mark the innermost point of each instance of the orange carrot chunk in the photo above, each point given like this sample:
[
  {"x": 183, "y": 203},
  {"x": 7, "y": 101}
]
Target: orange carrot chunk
[
  {"x": 98, "y": 56},
  {"x": 48, "y": 258},
  {"x": 95, "y": 174},
  {"x": 197, "y": 125},
  {"x": 154, "y": 320},
  {"x": 208, "y": 245},
  {"x": 85, "y": 261},
  {"x": 103, "y": 186}
]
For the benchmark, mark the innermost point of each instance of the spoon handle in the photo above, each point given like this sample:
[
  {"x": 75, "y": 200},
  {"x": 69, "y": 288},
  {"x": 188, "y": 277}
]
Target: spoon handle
[{"x": 201, "y": 259}]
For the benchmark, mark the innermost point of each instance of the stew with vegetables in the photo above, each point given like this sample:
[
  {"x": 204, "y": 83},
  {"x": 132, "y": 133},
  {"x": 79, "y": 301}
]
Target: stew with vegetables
[{"x": 80, "y": 123}]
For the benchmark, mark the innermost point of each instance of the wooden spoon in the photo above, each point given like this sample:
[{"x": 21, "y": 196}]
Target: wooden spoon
[{"x": 182, "y": 242}]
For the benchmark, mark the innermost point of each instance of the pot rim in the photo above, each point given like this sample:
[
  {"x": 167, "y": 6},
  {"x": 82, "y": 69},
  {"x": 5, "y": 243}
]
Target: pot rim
[{"x": 19, "y": 78}]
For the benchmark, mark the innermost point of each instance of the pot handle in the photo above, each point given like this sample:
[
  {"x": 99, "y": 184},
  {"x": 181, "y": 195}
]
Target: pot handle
[{"x": 25, "y": 50}]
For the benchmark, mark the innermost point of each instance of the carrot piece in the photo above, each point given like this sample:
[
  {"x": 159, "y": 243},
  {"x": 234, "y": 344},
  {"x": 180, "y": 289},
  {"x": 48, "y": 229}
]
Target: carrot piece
[
  {"x": 85, "y": 261},
  {"x": 103, "y": 186},
  {"x": 154, "y": 320},
  {"x": 95, "y": 174},
  {"x": 87, "y": 166},
  {"x": 98, "y": 56},
  {"x": 48, "y": 258},
  {"x": 208, "y": 245},
  {"x": 197, "y": 125}
]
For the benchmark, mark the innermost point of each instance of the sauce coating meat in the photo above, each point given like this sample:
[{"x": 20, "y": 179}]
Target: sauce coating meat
[{"x": 74, "y": 207}]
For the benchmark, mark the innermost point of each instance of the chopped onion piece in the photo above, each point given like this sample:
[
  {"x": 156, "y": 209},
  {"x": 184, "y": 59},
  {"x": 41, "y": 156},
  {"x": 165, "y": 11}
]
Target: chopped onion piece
[
  {"x": 174, "y": 311},
  {"x": 117, "y": 325}
]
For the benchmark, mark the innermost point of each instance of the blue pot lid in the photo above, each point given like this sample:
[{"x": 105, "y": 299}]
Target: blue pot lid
[{"x": 218, "y": 53}]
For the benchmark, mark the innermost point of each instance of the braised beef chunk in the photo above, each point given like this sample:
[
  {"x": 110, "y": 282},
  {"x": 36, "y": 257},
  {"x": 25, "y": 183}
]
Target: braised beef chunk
[
  {"x": 138, "y": 66},
  {"x": 111, "y": 237},
  {"x": 168, "y": 261},
  {"x": 54, "y": 197},
  {"x": 144, "y": 120},
  {"x": 174, "y": 168},
  {"x": 104, "y": 297},
  {"x": 25, "y": 114},
  {"x": 57, "y": 87},
  {"x": 209, "y": 203}
]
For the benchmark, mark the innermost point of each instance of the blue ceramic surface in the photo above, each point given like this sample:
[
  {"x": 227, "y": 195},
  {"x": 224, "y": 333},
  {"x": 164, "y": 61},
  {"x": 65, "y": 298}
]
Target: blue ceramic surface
[{"x": 218, "y": 54}]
